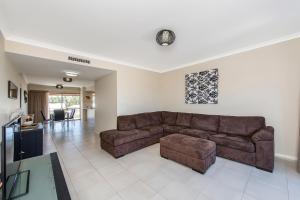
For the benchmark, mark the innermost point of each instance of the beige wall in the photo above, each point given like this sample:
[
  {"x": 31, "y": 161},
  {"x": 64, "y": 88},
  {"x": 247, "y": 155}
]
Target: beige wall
[
  {"x": 8, "y": 72},
  {"x": 298, "y": 164},
  {"x": 263, "y": 82},
  {"x": 138, "y": 91},
  {"x": 106, "y": 102}
]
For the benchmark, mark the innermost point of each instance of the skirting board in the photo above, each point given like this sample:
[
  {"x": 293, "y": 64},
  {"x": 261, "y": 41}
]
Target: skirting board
[{"x": 286, "y": 157}]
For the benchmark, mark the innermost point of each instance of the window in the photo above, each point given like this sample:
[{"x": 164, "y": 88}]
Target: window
[{"x": 66, "y": 102}]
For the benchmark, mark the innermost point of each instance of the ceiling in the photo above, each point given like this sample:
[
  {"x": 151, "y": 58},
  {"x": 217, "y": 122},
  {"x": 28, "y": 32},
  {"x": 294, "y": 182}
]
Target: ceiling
[
  {"x": 48, "y": 72},
  {"x": 124, "y": 31}
]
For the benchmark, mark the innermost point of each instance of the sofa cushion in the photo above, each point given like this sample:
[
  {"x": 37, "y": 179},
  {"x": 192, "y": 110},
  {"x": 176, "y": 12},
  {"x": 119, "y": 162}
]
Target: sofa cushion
[
  {"x": 155, "y": 118},
  {"x": 205, "y": 122},
  {"x": 142, "y": 120},
  {"x": 244, "y": 126},
  {"x": 184, "y": 119},
  {"x": 154, "y": 130},
  {"x": 196, "y": 133},
  {"x": 235, "y": 142},
  {"x": 169, "y": 117},
  {"x": 172, "y": 129},
  {"x": 116, "y": 138},
  {"x": 126, "y": 122}
]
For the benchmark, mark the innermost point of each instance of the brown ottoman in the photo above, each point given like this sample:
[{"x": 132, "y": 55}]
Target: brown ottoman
[{"x": 197, "y": 153}]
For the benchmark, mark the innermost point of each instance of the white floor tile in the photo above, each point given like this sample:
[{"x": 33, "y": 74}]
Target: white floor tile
[
  {"x": 234, "y": 178},
  {"x": 158, "y": 181},
  {"x": 115, "y": 197},
  {"x": 219, "y": 191},
  {"x": 179, "y": 191},
  {"x": 137, "y": 191},
  {"x": 96, "y": 192},
  {"x": 279, "y": 181},
  {"x": 158, "y": 197},
  {"x": 110, "y": 169},
  {"x": 248, "y": 197},
  {"x": 199, "y": 182},
  {"x": 121, "y": 180},
  {"x": 262, "y": 191},
  {"x": 202, "y": 197}
]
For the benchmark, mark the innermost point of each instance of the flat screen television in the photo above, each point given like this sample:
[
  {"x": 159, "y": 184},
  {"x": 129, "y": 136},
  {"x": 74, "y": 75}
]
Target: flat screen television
[
  {"x": 12, "y": 90},
  {"x": 10, "y": 169}
]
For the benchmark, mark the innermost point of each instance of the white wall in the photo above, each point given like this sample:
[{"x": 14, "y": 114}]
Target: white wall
[
  {"x": 262, "y": 82},
  {"x": 106, "y": 103},
  {"x": 138, "y": 91},
  {"x": 8, "y": 72}
]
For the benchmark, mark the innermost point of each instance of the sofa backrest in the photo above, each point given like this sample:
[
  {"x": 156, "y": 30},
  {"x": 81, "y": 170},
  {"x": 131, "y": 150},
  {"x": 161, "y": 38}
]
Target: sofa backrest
[
  {"x": 126, "y": 122},
  {"x": 169, "y": 117},
  {"x": 244, "y": 126},
  {"x": 142, "y": 120},
  {"x": 205, "y": 122},
  {"x": 184, "y": 119},
  {"x": 155, "y": 118}
]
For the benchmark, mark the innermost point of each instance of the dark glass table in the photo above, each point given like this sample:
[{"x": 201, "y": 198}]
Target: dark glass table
[{"x": 46, "y": 180}]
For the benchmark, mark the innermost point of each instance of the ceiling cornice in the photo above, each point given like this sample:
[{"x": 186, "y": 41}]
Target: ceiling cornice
[
  {"x": 93, "y": 56},
  {"x": 234, "y": 52}
]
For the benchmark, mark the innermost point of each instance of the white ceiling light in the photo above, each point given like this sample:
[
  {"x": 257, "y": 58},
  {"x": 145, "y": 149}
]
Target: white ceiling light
[{"x": 72, "y": 74}]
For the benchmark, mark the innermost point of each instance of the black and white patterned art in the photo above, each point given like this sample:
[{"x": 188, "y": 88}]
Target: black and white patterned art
[{"x": 202, "y": 87}]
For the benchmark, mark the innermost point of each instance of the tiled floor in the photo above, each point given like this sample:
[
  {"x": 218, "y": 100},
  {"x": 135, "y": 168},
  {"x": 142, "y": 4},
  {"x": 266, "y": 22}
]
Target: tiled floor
[{"x": 91, "y": 173}]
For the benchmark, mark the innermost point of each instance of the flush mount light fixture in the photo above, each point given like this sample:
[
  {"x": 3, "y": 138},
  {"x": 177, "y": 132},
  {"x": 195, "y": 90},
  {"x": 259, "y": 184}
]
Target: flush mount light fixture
[
  {"x": 59, "y": 86},
  {"x": 72, "y": 74},
  {"x": 67, "y": 79},
  {"x": 165, "y": 37}
]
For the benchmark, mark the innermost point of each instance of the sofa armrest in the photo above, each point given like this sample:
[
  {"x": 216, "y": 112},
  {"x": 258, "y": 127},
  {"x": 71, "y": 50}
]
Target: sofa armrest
[{"x": 265, "y": 134}]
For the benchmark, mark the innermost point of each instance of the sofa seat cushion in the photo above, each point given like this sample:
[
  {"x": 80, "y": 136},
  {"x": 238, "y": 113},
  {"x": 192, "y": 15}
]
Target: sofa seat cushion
[
  {"x": 187, "y": 145},
  {"x": 196, "y": 133},
  {"x": 154, "y": 130},
  {"x": 116, "y": 138},
  {"x": 172, "y": 129},
  {"x": 235, "y": 142}
]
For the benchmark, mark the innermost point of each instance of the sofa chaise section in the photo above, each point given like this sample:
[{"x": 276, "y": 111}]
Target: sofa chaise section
[{"x": 133, "y": 133}]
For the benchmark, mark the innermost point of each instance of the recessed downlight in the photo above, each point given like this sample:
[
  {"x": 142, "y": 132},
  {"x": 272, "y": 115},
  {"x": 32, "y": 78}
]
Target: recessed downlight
[
  {"x": 67, "y": 79},
  {"x": 72, "y": 74},
  {"x": 59, "y": 86}
]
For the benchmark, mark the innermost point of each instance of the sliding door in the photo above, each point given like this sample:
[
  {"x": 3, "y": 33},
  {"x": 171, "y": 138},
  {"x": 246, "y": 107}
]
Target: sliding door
[{"x": 65, "y": 102}]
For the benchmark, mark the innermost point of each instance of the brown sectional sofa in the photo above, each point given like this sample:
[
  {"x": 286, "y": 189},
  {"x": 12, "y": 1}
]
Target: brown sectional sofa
[{"x": 244, "y": 139}]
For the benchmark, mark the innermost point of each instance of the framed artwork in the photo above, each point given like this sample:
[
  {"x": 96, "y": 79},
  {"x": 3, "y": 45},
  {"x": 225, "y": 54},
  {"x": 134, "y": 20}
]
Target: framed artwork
[
  {"x": 25, "y": 96},
  {"x": 202, "y": 87}
]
